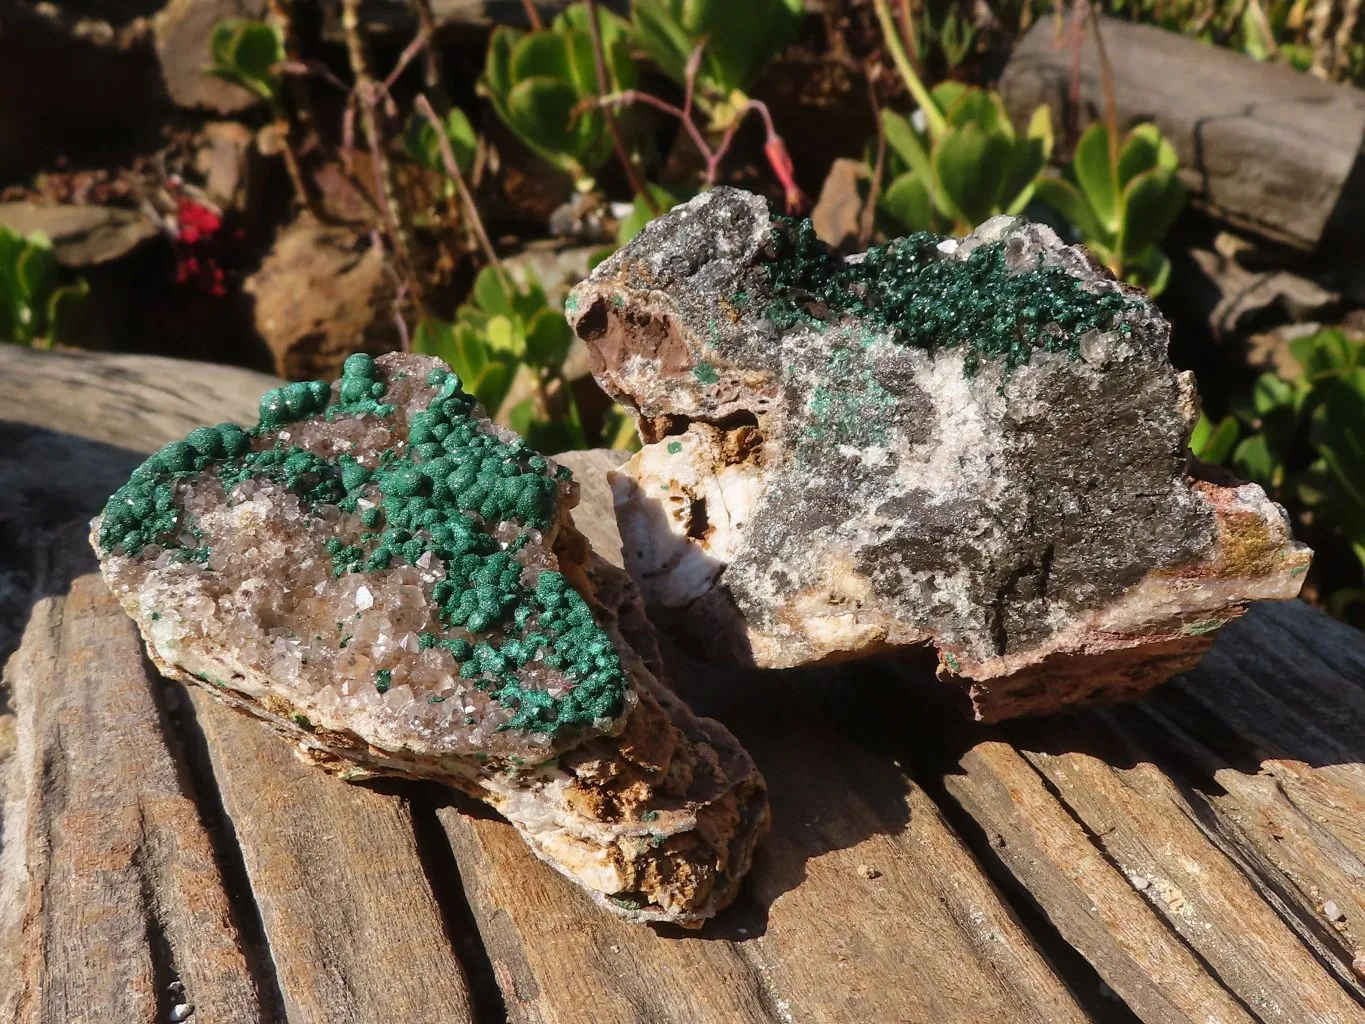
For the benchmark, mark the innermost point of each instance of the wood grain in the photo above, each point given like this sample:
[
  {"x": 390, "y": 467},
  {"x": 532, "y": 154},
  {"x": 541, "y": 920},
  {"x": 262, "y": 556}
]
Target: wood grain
[
  {"x": 110, "y": 887},
  {"x": 1193, "y": 873},
  {"x": 354, "y": 929}
]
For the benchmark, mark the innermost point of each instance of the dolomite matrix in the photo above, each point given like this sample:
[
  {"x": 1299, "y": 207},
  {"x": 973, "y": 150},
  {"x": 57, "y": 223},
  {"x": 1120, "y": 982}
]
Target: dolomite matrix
[
  {"x": 394, "y": 582},
  {"x": 977, "y": 444}
]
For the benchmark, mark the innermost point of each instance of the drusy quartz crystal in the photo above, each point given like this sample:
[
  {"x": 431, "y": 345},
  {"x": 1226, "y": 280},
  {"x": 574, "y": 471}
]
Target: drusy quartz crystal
[
  {"x": 394, "y": 581},
  {"x": 976, "y": 444}
]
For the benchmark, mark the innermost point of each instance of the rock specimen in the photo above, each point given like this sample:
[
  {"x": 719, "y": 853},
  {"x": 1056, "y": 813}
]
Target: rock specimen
[
  {"x": 978, "y": 444},
  {"x": 394, "y": 582}
]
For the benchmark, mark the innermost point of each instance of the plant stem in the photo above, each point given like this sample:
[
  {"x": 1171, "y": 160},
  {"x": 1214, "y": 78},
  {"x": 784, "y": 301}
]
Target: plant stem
[
  {"x": 1111, "y": 106},
  {"x": 366, "y": 97},
  {"x": 637, "y": 183},
  {"x": 867, "y": 215},
  {"x": 423, "y": 107},
  {"x": 533, "y": 16},
  {"x": 937, "y": 124}
]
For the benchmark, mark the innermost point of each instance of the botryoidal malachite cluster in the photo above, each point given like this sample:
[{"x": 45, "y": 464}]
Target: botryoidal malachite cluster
[
  {"x": 440, "y": 495},
  {"x": 908, "y": 287}
]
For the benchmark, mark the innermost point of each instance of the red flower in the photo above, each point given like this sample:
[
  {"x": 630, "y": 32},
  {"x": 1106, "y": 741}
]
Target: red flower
[
  {"x": 195, "y": 222},
  {"x": 781, "y": 162}
]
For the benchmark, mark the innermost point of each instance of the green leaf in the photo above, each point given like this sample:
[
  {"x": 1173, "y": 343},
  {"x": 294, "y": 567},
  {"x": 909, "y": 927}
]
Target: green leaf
[
  {"x": 661, "y": 36},
  {"x": 978, "y": 107},
  {"x": 548, "y": 337},
  {"x": 497, "y": 73},
  {"x": 1149, "y": 269},
  {"x": 521, "y": 416},
  {"x": 1269, "y": 394},
  {"x": 908, "y": 203},
  {"x": 947, "y": 93},
  {"x": 63, "y": 306},
  {"x": 1027, "y": 157},
  {"x": 907, "y": 144},
  {"x": 490, "y": 295},
  {"x": 247, "y": 52},
  {"x": 35, "y": 270},
  {"x": 464, "y": 142},
  {"x": 1069, "y": 201},
  {"x": 436, "y": 338},
  {"x": 1139, "y": 152},
  {"x": 1214, "y": 444},
  {"x": 969, "y": 169},
  {"x": 1326, "y": 353},
  {"x": 1094, "y": 174},
  {"x": 493, "y": 384},
  {"x": 541, "y": 55},
  {"x": 1253, "y": 460},
  {"x": 541, "y": 112},
  {"x": 505, "y": 337},
  {"x": 1151, "y": 203}
]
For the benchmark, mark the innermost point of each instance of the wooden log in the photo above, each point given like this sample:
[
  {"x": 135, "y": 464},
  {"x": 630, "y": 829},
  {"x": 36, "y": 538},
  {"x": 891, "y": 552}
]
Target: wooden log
[
  {"x": 1194, "y": 873},
  {"x": 109, "y": 890},
  {"x": 1261, "y": 145}
]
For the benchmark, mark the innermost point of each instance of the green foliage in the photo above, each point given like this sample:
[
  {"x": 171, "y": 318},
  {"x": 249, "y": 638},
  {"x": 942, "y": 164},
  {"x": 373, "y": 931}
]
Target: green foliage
[
  {"x": 504, "y": 328},
  {"x": 423, "y": 145},
  {"x": 34, "y": 308},
  {"x": 1123, "y": 207},
  {"x": 945, "y": 26},
  {"x": 1304, "y": 439},
  {"x": 248, "y": 53},
  {"x": 542, "y": 85},
  {"x": 963, "y": 166},
  {"x": 739, "y": 37}
]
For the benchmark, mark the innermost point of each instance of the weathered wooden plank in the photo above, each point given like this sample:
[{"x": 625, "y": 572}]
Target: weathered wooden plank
[
  {"x": 1096, "y": 909},
  {"x": 815, "y": 938},
  {"x": 1184, "y": 845},
  {"x": 130, "y": 401},
  {"x": 355, "y": 932},
  {"x": 560, "y": 960},
  {"x": 1144, "y": 826},
  {"x": 875, "y": 909},
  {"x": 1240, "y": 126},
  {"x": 110, "y": 891}
]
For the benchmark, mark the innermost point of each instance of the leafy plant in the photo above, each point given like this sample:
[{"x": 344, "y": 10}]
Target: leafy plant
[
  {"x": 736, "y": 39},
  {"x": 503, "y": 328},
  {"x": 248, "y": 53},
  {"x": 1122, "y": 198},
  {"x": 542, "y": 85},
  {"x": 423, "y": 146},
  {"x": 1303, "y": 439},
  {"x": 958, "y": 161},
  {"x": 34, "y": 308}
]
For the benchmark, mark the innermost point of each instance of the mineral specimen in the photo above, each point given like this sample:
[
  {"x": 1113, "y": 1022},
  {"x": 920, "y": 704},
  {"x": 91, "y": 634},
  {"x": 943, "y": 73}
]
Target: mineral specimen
[
  {"x": 977, "y": 443},
  {"x": 381, "y": 573}
]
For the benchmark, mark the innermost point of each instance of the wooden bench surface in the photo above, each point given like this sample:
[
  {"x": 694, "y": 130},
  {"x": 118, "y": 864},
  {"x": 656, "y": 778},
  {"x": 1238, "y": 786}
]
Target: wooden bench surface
[{"x": 1197, "y": 856}]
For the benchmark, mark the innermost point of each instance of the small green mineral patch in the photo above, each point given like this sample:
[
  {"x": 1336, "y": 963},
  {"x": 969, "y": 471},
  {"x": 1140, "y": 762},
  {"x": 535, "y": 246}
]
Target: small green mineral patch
[
  {"x": 302, "y": 721},
  {"x": 927, "y": 300},
  {"x": 674, "y": 447},
  {"x": 950, "y": 659},
  {"x": 382, "y": 679},
  {"x": 649, "y": 815},
  {"x": 705, "y": 372}
]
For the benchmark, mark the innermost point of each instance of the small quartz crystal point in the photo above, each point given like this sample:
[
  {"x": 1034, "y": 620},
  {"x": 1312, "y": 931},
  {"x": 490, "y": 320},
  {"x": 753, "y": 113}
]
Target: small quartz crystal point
[
  {"x": 394, "y": 582},
  {"x": 977, "y": 444}
]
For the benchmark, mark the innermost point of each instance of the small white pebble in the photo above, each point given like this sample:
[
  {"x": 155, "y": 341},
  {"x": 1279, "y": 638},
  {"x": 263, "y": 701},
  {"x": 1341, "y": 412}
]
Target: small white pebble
[
  {"x": 181, "y": 1011},
  {"x": 868, "y": 872},
  {"x": 1333, "y": 912},
  {"x": 363, "y": 598}
]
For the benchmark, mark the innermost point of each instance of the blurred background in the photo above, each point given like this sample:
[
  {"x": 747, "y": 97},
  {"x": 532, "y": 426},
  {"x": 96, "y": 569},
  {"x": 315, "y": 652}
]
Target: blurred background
[{"x": 278, "y": 183}]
